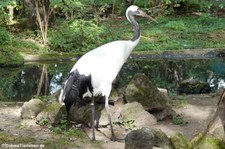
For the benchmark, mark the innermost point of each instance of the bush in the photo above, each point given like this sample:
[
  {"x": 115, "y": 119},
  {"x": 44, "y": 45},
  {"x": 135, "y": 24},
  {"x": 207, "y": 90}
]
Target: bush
[
  {"x": 10, "y": 57},
  {"x": 78, "y": 35},
  {"x": 5, "y": 36}
]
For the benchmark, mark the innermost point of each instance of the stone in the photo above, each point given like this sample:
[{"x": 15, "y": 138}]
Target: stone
[
  {"x": 142, "y": 90},
  {"x": 31, "y": 108},
  {"x": 82, "y": 112},
  {"x": 192, "y": 86},
  {"x": 135, "y": 111},
  {"x": 147, "y": 138},
  {"x": 53, "y": 112},
  {"x": 180, "y": 142},
  {"x": 207, "y": 142}
]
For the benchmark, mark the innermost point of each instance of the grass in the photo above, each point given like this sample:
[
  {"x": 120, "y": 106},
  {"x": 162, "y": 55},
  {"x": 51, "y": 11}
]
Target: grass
[
  {"x": 72, "y": 138},
  {"x": 174, "y": 33},
  {"x": 168, "y": 33}
]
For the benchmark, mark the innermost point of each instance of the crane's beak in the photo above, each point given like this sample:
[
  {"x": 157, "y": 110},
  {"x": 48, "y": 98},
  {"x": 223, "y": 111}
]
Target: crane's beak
[{"x": 143, "y": 14}]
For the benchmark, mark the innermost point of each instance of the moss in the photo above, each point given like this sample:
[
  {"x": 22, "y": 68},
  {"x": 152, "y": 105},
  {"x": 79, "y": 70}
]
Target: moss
[
  {"x": 55, "y": 106},
  {"x": 142, "y": 90},
  {"x": 207, "y": 142},
  {"x": 180, "y": 142}
]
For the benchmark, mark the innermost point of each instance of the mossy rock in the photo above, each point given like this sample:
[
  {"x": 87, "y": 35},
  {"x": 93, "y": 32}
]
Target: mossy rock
[
  {"x": 142, "y": 90},
  {"x": 32, "y": 108},
  {"x": 191, "y": 86},
  {"x": 207, "y": 142},
  {"x": 180, "y": 142},
  {"x": 146, "y": 138},
  {"x": 135, "y": 111},
  {"x": 82, "y": 113},
  {"x": 53, "y": 112}
]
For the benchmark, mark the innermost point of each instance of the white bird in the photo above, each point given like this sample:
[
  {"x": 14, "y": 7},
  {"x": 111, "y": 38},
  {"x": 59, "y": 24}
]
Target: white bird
[{"x": 95, "y": 71}]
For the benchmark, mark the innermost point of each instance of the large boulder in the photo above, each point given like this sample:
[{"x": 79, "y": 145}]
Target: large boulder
[
  {"x": 135, "y": 111},
  {"x": 192, "y": 86},
  {"x": 53, "y": 112},
  {"x": 147, "y": 138},
  {"x": 30, "y": 109},
  {"x": 142, "y": 90},
  {"x": 82, "y": 112}
]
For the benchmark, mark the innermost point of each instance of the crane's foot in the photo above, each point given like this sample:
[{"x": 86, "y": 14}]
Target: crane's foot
[
  {"x": 113, "y": 138},
  {"x": 93, "y": 139}
]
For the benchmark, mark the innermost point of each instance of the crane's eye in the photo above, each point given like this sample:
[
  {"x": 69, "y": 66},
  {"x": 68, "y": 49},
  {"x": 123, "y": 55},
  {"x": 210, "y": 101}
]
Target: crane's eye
[{"x": 138, "y": 11}]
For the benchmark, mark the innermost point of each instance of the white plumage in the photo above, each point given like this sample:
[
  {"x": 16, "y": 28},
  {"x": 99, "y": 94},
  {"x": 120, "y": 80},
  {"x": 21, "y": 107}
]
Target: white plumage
[
  {"x": 104, "y": 63},
  {"x": 95, "y": 71}
]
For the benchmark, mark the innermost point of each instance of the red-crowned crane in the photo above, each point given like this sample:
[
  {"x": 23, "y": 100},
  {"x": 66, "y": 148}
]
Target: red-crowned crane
[{"x": 95, "y": 71}]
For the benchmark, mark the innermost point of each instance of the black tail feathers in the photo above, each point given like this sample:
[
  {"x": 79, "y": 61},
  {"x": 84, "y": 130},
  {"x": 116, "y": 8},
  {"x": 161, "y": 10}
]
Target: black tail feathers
[{"x": 75, "y": 87}]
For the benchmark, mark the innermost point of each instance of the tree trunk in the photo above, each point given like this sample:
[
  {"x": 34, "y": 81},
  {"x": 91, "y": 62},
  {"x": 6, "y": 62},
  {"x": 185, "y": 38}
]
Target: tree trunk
[
  {"x": 11, "y": 14},
  {"x": 43, "y": 21}
]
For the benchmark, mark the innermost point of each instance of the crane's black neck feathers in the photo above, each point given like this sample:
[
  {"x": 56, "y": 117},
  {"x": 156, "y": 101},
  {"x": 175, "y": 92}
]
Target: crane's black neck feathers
[
  {"x": 75, "y": 87},
  {"x": 137, "y": 32}
]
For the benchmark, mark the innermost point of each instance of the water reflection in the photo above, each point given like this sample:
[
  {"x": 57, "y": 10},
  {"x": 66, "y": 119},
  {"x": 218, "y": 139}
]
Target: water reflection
[{"x": 20, "y": 84}]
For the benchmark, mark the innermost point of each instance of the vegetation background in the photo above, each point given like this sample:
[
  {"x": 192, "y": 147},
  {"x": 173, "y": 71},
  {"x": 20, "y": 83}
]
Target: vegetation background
[{"x": 76, "y": 26}]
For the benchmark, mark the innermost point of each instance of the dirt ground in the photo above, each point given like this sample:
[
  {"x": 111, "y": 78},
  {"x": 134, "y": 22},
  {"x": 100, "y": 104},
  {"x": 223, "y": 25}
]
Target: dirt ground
[{"x": 196, "y": 110}]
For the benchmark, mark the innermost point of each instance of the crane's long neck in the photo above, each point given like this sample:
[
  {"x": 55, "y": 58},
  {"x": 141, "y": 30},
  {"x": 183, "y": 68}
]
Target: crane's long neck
[
  {"x": 136, "y": 38},
  {"x": 137, "y": 32}
]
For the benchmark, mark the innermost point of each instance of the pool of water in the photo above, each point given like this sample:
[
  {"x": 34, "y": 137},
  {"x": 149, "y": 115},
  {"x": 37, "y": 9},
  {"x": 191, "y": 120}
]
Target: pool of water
[{"x": 20, "y": 84}]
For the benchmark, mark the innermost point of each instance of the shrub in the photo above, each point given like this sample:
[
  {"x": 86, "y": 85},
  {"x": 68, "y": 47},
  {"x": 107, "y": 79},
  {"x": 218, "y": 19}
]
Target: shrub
[
  {"x": 5, "y": 36},
  {"x": 78, "y": 35},
  {"x": 10, "y": 57}
]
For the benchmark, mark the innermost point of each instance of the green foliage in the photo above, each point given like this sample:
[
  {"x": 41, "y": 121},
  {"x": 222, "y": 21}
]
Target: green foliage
[
  {"x": 4, "y": 5},
  {"x": 61, "y": 126},
  {"x": 78, "y": 35},
  {"x": 178, "y": 120},
  {"x": 71, "y": 8},
  {"x": 5, "y": 36},
  {"x": 10, "y": 57},
  {"x": 44, "y": 122},
  {"x": 176, "y": 25},
  {"x": 128, "y": 124},
  {"x": 64, "y": 127}
]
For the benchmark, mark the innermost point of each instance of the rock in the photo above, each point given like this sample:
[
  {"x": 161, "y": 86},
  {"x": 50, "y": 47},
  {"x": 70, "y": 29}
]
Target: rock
[
  {"x": 135, "y": 111},
  {"x": 164, "y": 92},
  {"x": 114, "y": 113},
  {"x": 162, "y": 114},
  {"x": 31, "y": 108},
  {"x": 207, "y": 142},
  {"x": 82, "y": 112},
  {"x": 52, "y": 112},
  {"x": 147, "y": 138},
  {"x": 142, "y": 90},
  {"x": 192, "y": 86},
  {"x": 180, "y": 142}
]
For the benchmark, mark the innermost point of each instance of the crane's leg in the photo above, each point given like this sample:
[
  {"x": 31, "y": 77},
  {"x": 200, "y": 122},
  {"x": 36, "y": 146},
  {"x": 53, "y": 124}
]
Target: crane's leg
[
  {"x": 93, "y": 118},
  {"x": 113, "y": 138}
]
